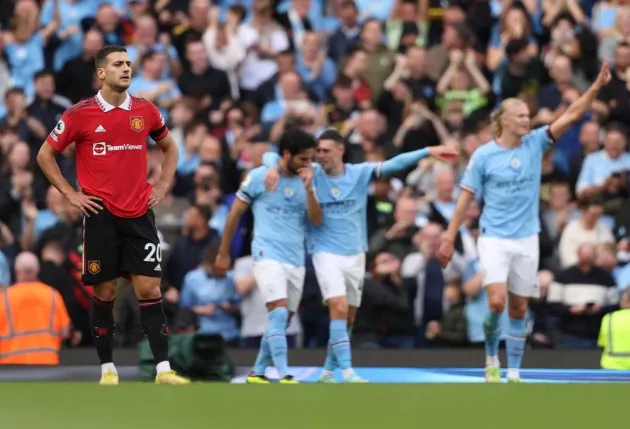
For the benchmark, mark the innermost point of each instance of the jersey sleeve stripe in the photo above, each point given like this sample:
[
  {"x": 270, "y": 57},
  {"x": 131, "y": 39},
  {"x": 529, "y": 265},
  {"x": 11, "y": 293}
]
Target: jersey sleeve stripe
[
  {"x": 243, "y": 196},
  {"x": 551, "y": 138},
  {"x": 468, "y": 188},
  {"x": 159, "y": 134},
  {"x": 53, "y": 143}
]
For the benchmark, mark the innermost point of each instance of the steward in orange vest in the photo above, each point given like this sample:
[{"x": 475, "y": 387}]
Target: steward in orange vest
[{"x": 33, "y": 318}]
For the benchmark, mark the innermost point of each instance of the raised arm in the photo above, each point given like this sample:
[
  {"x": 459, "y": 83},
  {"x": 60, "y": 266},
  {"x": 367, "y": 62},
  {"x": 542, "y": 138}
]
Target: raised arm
[
  {"x": 579, "y": 107},
  {"x": 407, "y": 160}
]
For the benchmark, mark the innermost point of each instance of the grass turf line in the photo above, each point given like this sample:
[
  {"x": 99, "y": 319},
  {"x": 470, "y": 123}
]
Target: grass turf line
[{"x": 306, "y": 406}]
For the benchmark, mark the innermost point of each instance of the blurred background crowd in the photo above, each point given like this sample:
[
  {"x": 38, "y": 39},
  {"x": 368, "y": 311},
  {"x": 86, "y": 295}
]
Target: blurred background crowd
[{"x": 392, "y": 76}]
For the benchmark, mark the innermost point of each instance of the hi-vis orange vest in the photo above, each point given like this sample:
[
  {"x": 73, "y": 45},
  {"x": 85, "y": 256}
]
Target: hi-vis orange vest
[{"x": 32, "y": 317}]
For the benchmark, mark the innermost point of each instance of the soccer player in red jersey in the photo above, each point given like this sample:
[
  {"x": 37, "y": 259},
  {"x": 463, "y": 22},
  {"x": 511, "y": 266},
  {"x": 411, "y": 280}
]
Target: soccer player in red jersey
[{"x": 120, "y": 238}]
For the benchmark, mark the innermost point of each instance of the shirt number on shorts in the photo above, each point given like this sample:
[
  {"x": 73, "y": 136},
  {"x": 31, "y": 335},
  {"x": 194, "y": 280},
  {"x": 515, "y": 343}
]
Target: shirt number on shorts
[{"x": 154, "y": 251}]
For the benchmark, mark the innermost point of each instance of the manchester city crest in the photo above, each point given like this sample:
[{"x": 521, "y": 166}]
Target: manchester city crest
[
  {"x": 288, "y": 192},
  {"x": 335, "y": 192},
  {"x": 515, "y": 162}
]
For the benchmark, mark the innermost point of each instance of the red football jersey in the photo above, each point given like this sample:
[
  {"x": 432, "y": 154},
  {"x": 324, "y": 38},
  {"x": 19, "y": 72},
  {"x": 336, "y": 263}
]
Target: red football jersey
[{"x": 111, "y": 149}]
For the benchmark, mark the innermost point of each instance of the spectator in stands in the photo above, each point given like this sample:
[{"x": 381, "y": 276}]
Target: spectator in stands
[
  {"x": 46, "y": 107},
  {"x": 580, "y": 296},
  {"x": 557, "y": 216},
  {"x": 347, "y": 35},
  {"x": 397, "y": 238},
  {"x": 263, "y": 38},
  {"x": 18, "y": 118},
  {"x": 587, "y": 229},
  {"x": 450, "y": 330},
  {"x": 151, "y": 84},
  {"x": 426, "y": 279},
  {"x": 76, "y": 80},
  {"x": 380, "y": 60},
  {"x": 385, "y": 319},
  {"x": 207, "y": 85},
  {"x": 314, "y": 67},
  {"x": 187, "y": 253},
  {"x": 145, "y": 39},
  {"x": 611, "y": 103},
  {"x": 599, "y": 167},
  {"x": 223, "y": 48},
  {"x": 589, "y": 140},
  {"x": 213, "y": 299}
]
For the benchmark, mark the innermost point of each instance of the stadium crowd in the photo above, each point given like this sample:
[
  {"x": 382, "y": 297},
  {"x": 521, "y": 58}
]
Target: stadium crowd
[{"x": 392, "y": 76}]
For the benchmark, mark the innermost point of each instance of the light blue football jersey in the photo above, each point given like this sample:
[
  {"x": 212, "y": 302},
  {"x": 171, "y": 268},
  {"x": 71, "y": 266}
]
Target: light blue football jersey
[
  {"x": 343, "y": 199},
  {"x": 280, "y": 217},
  {"x": 508, "y": 181}
]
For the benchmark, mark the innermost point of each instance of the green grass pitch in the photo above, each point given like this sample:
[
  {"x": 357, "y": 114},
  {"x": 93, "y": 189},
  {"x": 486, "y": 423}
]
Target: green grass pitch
[{"x": 306, "y": 406}]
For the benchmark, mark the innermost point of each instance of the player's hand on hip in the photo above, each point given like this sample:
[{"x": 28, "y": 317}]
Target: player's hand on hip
[
  {"x": 221, "y": 265},
  {"x": 86, "y": 203},
  {"x": 157, "y": 194},
  {"x": 306, "y": 174},
  {"x": 445, "y": 253},
  {"x": 272, "y": 178},
  {"x": 446, "y": 154}
]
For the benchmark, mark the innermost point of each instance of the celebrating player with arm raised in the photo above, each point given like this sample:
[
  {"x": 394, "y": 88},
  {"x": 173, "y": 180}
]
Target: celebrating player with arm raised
[
  {"x": 506, "y": 173},
  {"x": 338, "y": 245},
  {"x": 278, "y": 249},
  {"x": 110, "y": 131}
]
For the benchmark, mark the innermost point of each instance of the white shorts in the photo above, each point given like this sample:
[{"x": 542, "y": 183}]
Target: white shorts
[
  {"x": 340, "y": 275},
  {"x": 511, "y": 261},
  {"x": 277, "y": 280}
]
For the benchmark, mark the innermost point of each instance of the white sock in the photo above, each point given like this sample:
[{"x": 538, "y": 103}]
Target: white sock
[
  {"x": 493, "y": 361},
  {"x": 163, "y": 367},
  {"x": 326, "y": 373},
  {"x": 513, "y": 373},
  {"x": 347, "y": 372},
  {"x": 108, "y": 367}
]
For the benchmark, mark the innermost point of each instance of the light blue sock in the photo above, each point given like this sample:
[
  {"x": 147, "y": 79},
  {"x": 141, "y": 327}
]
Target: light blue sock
[
  {"x": 515, "y": 343},
  {"x": 263, "y": 360},
  {"x": 331, "y": 361},
  {"x": 340, "y": 343},
  {"x": 491, "y": 330},
  {"x": 277, "y": 339}
]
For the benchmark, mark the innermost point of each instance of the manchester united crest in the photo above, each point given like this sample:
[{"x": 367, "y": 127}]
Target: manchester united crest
[
  {"x": 94, "y": 267},
  {"x": 137, "y": 123}
]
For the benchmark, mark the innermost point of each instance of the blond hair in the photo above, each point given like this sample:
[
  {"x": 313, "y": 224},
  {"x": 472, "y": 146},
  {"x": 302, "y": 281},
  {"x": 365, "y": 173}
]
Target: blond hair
[{"x": 495, "y": 117}]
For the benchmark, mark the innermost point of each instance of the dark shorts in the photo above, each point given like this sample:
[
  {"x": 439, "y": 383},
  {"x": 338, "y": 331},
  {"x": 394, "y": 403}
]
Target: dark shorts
[{"x": 114, "y": 247}]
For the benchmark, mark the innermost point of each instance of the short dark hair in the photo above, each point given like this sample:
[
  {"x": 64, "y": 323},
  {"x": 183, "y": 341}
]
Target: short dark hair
[
  {"x": 295, "y": 141},
  {"x": 43, "y": 73},
  {"x": 331, "y": 134},
  {"x": 192, "y": 126},
  {"x": 14, "y": 90},
  {"x": 239, "y": 11},
  {"x": 618, "y": 128},
  {"x": 148, "y": 55},
  {"x": 204, "y": 211},
  {"x": 103, "y": 53},
  {"x": 349, "y": 3},
  {"x": 343, "y": 81}
]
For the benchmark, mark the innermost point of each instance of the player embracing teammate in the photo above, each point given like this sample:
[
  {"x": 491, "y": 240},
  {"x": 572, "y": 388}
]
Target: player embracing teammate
[{"x": 336, "y": 238}]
